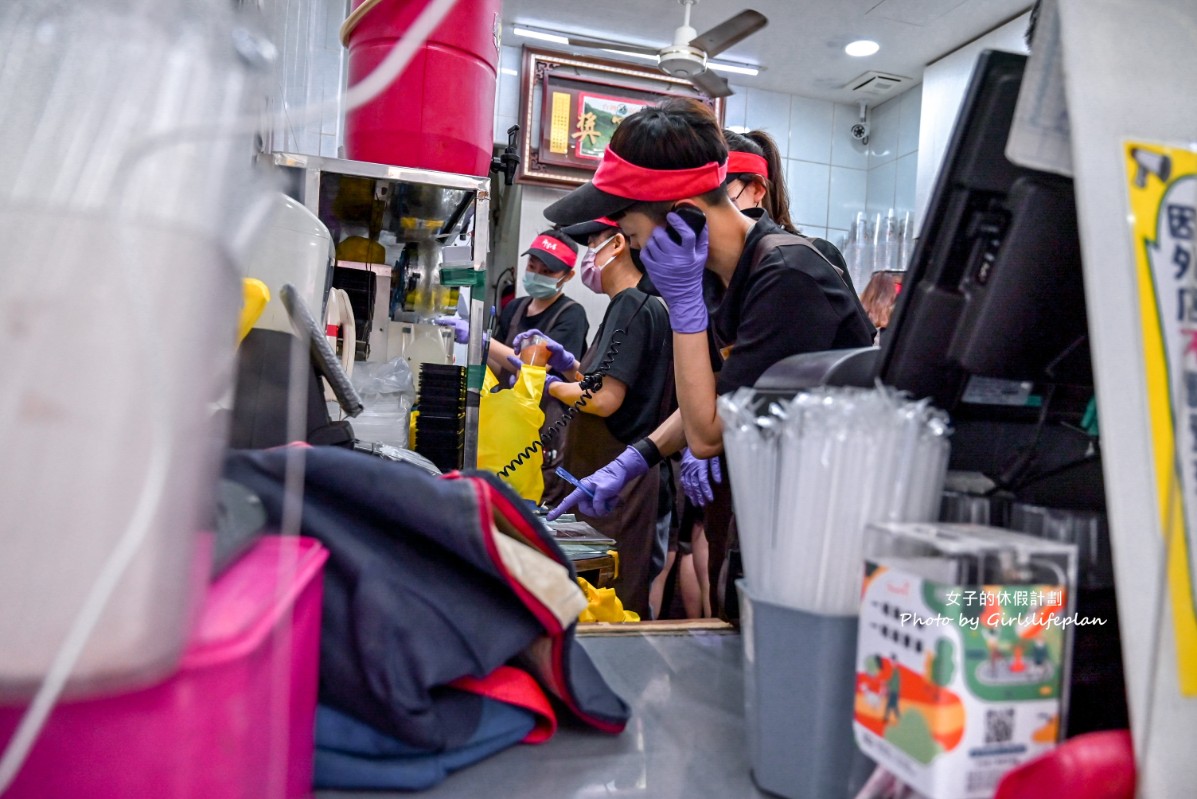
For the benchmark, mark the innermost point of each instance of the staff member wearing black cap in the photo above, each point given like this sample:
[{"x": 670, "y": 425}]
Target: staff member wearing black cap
[
  {"x": 632, "y": 349},
  {"x": 552, "y": 258},
  {"x": 779, "y": 300}
]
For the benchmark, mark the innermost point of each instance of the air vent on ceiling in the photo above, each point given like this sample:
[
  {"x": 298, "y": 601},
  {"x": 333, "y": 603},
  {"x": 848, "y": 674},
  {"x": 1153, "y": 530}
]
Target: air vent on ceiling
[{"x": 876, "y": 84}]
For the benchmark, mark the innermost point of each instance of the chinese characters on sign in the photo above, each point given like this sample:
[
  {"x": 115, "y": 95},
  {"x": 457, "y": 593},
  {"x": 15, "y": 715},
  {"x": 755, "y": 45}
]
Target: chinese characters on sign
[
  {"x": 1162, "y": 193},
  {"x": 1004, "y": 597},
  {"x": 559, "y": 123}
]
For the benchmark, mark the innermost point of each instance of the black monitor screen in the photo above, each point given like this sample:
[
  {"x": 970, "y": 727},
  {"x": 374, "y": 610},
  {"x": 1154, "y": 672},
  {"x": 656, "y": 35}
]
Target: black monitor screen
[{"x": 992, "y": 308}]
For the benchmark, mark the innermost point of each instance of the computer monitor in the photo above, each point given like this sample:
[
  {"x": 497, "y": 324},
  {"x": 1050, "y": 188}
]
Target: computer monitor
[{"x": 991, "y": 321}]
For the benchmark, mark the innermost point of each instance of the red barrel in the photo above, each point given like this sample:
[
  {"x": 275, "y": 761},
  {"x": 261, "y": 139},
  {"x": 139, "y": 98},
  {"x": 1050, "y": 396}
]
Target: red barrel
[{"x": 439, "y": 114}]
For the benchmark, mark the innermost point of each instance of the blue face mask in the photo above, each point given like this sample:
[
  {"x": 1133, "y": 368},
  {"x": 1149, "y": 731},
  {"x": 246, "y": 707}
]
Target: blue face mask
[{"x": 540, "y": 286}]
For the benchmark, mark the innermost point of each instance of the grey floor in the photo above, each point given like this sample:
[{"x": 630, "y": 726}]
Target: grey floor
[{"x": 685, "y": 739}]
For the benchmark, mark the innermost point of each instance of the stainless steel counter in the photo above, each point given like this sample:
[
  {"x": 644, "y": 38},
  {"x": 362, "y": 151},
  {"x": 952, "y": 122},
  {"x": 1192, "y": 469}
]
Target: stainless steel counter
[{"x": 685, "y": 739}]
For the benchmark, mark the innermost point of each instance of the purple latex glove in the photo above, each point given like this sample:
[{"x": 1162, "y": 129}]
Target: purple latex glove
[
  {"x": 697, "y": 474},
  {"x": 676, "y": 271},
  {"x": 560, "y": 358},
  {"x": 461, "y": 327},
  {"x": 605, "y": 484}
]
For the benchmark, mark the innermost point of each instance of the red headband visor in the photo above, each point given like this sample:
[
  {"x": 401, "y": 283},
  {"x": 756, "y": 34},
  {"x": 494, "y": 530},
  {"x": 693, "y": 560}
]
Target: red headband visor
[
  {"x": 624, "y": 179},
  {"x": 558, "y": 249},
  {"x": 739, "y": 163}
]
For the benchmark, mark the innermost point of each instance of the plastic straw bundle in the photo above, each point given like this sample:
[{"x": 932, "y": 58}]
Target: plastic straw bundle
[{"x": 808, "y": 475}]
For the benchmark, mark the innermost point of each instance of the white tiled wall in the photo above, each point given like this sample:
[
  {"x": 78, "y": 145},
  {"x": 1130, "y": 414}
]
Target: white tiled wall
[
  {"x": 825, "y": 169},
  {"x": 310, "y": 74},
  {"x": 893, "y": 153}
]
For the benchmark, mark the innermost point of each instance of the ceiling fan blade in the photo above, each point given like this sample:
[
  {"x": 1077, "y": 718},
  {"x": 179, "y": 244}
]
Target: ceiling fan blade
[
  {"x": 729, "y": 32},
  {"x": 711, "y": 85},
  {"x": 599, "y": 44}
]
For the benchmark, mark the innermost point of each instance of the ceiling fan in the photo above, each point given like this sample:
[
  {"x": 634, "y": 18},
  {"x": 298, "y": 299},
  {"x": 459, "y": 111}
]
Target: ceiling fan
[{"x": 687, "y": 56}]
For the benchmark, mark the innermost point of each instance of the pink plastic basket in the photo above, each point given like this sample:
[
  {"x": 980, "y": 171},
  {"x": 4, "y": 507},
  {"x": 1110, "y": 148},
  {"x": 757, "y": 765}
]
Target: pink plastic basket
[{"x": 236, "y": 720}]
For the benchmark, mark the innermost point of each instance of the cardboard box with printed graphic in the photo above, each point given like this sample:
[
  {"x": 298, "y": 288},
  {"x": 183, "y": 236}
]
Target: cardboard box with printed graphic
[{"x": 962, "y": 653}]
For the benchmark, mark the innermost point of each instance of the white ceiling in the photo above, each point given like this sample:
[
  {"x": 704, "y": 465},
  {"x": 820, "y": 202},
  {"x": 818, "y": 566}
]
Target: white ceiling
[{"x": 802, "y": 49}]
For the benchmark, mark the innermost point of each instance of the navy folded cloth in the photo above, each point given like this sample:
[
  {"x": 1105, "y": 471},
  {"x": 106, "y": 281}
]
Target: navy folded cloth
[{"x": 351, "y": 755}]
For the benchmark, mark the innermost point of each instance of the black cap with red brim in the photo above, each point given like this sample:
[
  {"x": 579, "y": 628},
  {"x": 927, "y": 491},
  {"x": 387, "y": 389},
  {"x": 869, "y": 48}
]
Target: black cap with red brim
[
  {"x": 558, "y": 255},
  {"x": 584, "y": 230},
  {"x": 618, "y": 184}
]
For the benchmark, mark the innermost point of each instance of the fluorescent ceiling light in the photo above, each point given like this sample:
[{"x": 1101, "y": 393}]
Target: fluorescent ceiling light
[
  {"x": 733, "y": 68},
  {"x": 528, "y": 33},
  {"x": 508, "y": 71},
  {"x": 862, "y": 47},
  {"x": 630, "y": 54}
]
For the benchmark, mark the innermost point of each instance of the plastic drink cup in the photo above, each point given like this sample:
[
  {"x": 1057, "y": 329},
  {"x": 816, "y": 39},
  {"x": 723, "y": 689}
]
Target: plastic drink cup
[{"x": 535, "y": 351}]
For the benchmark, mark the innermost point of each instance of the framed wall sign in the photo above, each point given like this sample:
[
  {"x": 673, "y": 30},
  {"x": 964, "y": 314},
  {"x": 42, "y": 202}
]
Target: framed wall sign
[{"x": 570, "y": 105}]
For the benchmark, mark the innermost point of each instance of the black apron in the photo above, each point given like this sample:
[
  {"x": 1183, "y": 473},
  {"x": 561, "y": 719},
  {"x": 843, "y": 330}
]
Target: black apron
[
  {"x": 555, "y": 488},
  {"x": 633, "y": 524}
]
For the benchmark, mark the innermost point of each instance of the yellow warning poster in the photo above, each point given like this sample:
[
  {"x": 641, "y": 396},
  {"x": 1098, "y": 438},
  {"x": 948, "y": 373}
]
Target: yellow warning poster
[{"x": 1161, "y": 186}]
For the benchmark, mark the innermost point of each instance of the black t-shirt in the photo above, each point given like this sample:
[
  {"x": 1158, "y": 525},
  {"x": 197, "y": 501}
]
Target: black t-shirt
[
  {"x": 794, "y": 301},
  {"x": 826, "y": 248},
  {"x": 569, "y": 329},
  {"x": 642, "y": 363}
]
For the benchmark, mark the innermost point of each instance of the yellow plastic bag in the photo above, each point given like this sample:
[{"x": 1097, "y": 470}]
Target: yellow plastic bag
[{"x": 509, "y": 422}]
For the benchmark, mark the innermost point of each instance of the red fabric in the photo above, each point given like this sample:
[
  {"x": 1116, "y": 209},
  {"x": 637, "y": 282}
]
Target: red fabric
[
  {"x": 624, "y": 179},
  {"x": 558, "y": 249},
  {"x": 747, "y": 164},
  {"x": 515, "y": 687},
  {"x": 1098, "y": 765}
]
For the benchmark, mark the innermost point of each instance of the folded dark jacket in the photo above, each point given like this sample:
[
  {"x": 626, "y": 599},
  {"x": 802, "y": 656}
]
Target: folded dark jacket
[{"x": 430, "y": 580}]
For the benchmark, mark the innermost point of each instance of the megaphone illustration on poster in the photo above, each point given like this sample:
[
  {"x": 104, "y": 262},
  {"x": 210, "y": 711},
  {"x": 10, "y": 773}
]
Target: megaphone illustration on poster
[{"x": 1150, "y": 163}]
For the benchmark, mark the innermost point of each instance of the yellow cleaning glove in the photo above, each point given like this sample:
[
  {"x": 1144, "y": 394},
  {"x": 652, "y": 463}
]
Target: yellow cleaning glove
[
  {"x": 603, "y": 605},
  {"x": 255, "y": 295}
]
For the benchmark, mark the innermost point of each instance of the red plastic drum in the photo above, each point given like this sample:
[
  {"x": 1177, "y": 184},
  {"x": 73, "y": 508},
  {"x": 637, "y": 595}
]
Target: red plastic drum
[{"x": 439, "y": 114}]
